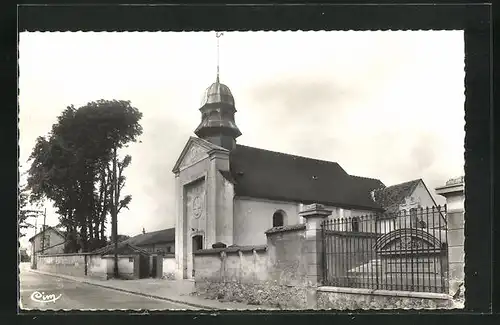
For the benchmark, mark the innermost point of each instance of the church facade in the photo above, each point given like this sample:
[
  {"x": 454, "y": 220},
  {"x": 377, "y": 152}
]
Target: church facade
[{"x": 230, "y": 193}]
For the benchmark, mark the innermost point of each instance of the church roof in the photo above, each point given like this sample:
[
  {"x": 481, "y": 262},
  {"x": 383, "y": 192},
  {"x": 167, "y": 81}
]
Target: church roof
[
  {"x": 392, "y": 196},
  {"x": 272, "y": 175}
]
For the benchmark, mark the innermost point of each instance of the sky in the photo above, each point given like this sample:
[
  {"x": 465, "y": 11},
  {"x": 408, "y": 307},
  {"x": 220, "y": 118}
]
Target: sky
[{"x": 383, "y": 104}]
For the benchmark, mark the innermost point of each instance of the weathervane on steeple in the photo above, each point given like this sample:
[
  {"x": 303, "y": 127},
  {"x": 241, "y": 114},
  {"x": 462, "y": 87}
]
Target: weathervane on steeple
[
  {"x": 217, "y": 113},
  {"x": 218, "y": 35}
]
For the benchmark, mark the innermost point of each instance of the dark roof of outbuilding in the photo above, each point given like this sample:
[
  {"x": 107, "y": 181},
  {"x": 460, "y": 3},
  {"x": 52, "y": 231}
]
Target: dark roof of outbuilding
[
  {"x": 123, "y": 248},
  {"x": 392, "y": 196},
  {"x": 149, "y": 238},
  {"x": 154, "y": 237},
  {"x": 267, "y": 174}
]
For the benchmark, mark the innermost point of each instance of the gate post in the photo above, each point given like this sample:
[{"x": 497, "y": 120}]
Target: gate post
[
  {"x": 314, "y": 215},
  {"x": 454, "y": 192}
]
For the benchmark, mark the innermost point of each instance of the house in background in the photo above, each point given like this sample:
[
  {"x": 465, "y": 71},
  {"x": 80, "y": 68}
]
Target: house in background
[
  {"x": 403, "y": 204},
  {"x": 48, "y": 241},
  {"x": 23, "y": 255}
]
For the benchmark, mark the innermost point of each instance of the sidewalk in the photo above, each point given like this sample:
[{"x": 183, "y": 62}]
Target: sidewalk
[{"x": 168, "y": 290}]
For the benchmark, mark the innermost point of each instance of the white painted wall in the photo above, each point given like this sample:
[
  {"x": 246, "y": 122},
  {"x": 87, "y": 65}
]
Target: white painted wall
[
  {"x": 97, "y": 264},
  {"x": 168, "y": 266},
  {"x": 224, "y": 215},
  {"x": 252, "y": 217},
  {"x": 385, "y": 226},
  {"x": 125, "y": 264},
  {"x": 419, "y": 198},
  {"x": 368, "y": 224}
]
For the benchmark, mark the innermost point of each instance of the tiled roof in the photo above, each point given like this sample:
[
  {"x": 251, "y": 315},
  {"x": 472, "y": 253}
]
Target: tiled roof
[
  {"x": 272, "y": 175},
  {"x": 392, "y": 196},
  {"x": 154, "y": 237},
  {"x": 123, "y": 248},
  {"x": 149, "y": 238},
  {"x": 58, "y": 231}
]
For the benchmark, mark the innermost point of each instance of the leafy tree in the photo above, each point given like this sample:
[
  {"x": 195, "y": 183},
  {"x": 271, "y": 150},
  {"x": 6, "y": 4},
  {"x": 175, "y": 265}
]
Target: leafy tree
[
  {"x": 76, "y": 164},
  {"x": 24, "y": 211}
]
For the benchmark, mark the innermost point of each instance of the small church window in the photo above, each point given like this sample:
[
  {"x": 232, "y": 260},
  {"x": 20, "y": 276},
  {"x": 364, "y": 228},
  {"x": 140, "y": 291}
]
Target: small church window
[
  {"x": 278, "y": 219},
  {"x": 355, "y": 224}
]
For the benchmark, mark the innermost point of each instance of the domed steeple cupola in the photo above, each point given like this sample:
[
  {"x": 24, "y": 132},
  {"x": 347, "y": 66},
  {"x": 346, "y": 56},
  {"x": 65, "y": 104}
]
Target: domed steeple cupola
[{"x": 217, "y": 116}]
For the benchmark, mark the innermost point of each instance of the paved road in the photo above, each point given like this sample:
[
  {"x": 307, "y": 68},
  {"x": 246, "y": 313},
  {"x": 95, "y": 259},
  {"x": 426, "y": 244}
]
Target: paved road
[{"x": 76, "y": 295}]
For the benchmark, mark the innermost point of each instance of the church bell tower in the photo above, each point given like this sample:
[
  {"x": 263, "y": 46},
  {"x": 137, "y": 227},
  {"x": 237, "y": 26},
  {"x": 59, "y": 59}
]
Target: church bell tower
[{"x": 217, "y": 114}]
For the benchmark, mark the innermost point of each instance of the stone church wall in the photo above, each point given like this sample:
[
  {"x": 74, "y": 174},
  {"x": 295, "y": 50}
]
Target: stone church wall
[
  {"x": 195, "y": 205},
  {"x": 224, "y": 226},
  {"x": 252, "y": 217}
]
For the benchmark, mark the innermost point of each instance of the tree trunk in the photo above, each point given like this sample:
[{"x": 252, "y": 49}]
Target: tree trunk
[{"x": 101, "y": 204}]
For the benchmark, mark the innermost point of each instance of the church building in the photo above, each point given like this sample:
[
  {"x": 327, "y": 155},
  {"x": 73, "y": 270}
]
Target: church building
[{"x": 231, "y": 193}]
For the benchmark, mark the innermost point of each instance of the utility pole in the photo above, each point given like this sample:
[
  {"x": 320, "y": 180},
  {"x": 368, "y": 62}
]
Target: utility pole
[
  {"x": 33, "y": 253},
  {"x": 43, "y": 229},
  {"x": 114, "y": 216}
]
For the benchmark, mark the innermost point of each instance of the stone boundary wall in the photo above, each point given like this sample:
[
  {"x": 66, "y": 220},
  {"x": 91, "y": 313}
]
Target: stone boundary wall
[
  {"x": 355, "y": 298},
  {"x": 85, "y": 265},
  {"x": 79, "y": 264},
  {"x": 270, "y": 275}
]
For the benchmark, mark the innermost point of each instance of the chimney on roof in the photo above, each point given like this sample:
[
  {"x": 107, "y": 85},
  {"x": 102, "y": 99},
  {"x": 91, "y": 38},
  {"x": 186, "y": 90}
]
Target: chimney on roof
[{"x": 143, "y": 230}]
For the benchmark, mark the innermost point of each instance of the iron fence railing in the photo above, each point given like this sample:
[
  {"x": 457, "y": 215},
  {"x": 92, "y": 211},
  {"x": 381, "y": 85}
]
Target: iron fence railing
[{"x": 405, "y": 251}]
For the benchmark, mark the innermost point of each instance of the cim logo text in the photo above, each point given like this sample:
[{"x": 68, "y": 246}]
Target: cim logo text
[{"x": 42, "y": 297}]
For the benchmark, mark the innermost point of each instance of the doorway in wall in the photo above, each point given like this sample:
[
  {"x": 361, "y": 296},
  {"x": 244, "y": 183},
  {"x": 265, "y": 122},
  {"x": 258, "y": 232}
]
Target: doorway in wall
[
  {"x": 143, "y": 266},
  {"x": 154, "y": 266},
  {"x": 197, "y": 242},
  {"x": 197, "y": 245}
]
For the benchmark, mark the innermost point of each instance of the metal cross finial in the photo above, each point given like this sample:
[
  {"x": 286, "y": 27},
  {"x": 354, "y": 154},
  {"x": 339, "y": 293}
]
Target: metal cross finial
[{"x": 218, "y": 35}]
